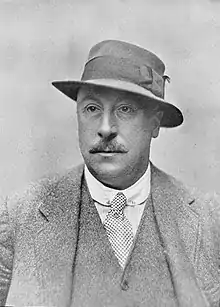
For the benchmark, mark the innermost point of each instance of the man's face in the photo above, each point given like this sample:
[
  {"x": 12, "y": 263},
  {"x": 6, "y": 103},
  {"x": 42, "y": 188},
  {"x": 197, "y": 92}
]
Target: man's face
[{"x": 115, "y": 131}]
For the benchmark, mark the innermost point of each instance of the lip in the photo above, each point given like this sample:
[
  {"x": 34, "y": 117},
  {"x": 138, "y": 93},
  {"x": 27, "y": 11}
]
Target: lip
[{"x": 108, "y": 153}]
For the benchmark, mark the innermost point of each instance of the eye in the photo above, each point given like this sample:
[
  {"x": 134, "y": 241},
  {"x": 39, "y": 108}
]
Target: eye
[
  {"x": 92, "y": 109},
  {"x": 126, "y": 109}
]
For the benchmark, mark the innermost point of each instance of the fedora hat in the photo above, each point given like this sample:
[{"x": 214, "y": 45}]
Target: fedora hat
[{"x": 125, "y": 67}]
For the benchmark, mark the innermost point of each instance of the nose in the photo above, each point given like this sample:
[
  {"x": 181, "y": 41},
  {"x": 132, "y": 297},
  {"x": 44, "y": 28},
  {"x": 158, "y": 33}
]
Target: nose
[{"x": 107, "y": 128}]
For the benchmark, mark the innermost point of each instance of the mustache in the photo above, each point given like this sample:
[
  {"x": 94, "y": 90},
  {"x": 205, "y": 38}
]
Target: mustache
[{"x": 108, "y": 147}]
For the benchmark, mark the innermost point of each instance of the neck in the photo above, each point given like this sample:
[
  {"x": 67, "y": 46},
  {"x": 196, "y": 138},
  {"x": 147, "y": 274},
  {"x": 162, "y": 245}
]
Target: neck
[{"x": 119, "y": 182}]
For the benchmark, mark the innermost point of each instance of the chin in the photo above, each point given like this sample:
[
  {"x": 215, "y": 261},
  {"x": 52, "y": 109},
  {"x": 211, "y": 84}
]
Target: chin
[{"x": 105, "y": 171}]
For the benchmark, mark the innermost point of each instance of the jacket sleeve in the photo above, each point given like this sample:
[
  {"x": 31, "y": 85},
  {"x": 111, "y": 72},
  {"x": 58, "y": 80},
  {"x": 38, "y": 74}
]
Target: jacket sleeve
[{"x": 6, "y": 252}]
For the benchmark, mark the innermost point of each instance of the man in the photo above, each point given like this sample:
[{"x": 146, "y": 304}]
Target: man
[{"x": 116, "y": 231}]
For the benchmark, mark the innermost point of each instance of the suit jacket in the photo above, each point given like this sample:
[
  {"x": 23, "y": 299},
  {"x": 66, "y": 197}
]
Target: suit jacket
[{"x": 38, "y": 240}]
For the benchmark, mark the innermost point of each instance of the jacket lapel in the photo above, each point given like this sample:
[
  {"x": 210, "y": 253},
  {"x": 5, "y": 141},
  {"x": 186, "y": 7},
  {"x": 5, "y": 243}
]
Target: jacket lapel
[
  {"x": 56, "y": 238},
  {"x": 179, "y": 231}
]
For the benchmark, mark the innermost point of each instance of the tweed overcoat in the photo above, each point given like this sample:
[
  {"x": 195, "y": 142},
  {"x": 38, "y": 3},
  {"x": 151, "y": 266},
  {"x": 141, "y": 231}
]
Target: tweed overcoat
[{"x": 38, "y": 240}]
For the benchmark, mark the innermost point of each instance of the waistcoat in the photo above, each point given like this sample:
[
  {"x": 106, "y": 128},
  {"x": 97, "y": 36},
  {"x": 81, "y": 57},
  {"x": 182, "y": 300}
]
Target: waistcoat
[{"x": 98, "y": 279}]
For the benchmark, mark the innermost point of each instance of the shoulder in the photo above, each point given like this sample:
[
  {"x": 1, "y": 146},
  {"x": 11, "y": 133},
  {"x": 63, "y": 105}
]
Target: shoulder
[
  {"x": 204, "y": 206},
  {"x": 199, "y": 201},
  {"x": 37, "y": 191}
]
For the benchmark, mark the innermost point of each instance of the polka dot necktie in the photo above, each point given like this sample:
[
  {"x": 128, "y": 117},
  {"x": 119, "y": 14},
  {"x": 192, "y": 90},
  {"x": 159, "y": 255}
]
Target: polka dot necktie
[{"x": 119, "y": 229}]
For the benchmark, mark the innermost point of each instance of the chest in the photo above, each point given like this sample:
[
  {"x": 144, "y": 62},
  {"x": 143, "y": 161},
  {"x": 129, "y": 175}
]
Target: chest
[{"x": 98, "y": 278}]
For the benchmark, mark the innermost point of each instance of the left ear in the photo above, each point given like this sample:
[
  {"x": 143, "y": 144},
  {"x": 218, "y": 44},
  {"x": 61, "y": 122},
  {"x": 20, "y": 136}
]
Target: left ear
[{"x": 157, "y": 120}]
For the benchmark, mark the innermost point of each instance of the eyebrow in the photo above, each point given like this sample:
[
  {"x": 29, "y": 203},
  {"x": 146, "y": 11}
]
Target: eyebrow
[
  {"x": 123, "y": 97},
  {"x": 89, "y": 96}
]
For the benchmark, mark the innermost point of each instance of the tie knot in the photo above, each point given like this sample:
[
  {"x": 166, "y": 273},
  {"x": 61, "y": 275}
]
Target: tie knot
[{"x": 119, "y": 202}]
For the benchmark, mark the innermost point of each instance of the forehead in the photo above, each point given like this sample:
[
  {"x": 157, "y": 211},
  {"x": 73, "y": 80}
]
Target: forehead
[{"x": 102, "y": 95}]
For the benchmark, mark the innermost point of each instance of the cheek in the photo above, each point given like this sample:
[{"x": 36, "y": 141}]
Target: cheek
[
  {"x": 83, "y": 135},
  {"x": 140, "y": 143},
  {"x": 86, "y": 126},
  {"x": 137, "y": 136},
  {"x": 86, "y": 136}
]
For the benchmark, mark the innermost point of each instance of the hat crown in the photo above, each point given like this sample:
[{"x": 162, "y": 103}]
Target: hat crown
[{"x": 120, "y": 49}]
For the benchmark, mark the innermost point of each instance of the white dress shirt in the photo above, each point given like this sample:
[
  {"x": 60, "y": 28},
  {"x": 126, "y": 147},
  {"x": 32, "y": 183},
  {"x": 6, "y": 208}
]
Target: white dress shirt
[{"x": 136, "y": 195}]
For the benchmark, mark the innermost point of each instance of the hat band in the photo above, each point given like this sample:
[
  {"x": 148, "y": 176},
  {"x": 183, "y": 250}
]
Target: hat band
[{"x": 108, "y": 67}]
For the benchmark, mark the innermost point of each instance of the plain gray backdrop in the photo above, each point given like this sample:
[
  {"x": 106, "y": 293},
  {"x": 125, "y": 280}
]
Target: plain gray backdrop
[{"x": 42, "y": 40}]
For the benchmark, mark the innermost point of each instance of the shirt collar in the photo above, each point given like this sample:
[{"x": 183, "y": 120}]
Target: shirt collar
[{"x": 135, "y": 194}]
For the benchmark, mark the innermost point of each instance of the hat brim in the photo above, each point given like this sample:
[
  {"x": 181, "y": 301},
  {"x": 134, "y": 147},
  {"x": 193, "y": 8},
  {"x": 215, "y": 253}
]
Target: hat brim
[{"x": 172, "y": 116}]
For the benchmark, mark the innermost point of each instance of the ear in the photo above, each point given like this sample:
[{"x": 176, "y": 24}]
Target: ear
[{"x": 157, "y": 120}]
